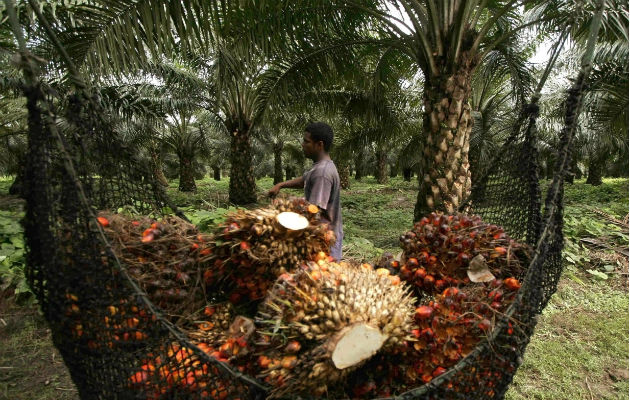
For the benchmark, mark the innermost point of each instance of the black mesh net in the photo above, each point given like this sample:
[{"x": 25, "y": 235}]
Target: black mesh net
[{"x": 117, "y": 344}]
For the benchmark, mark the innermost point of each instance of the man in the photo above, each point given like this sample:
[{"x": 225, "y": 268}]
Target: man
[{"x": 321, "y": 182}]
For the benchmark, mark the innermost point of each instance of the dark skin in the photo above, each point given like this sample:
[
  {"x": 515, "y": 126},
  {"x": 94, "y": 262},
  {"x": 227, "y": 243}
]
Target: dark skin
[{"x": 313, "y": 150}]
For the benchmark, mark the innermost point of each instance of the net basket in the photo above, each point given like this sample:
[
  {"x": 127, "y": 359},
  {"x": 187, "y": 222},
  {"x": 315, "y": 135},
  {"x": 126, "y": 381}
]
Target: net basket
[{"x": 107, "y": 329}]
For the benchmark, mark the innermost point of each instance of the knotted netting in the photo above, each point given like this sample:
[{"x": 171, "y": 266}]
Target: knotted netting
[{"x": 117, "y": 344}]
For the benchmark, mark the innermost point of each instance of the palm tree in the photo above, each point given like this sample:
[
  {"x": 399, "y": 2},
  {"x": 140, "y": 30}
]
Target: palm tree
[
  {"x": 446, "y": 40},
  {"x": 602, "y": 136}
]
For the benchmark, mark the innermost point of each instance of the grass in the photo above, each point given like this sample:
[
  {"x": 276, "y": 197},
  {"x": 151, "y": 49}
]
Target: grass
[
  {"x": 30, "y": 366},
  {"x": 578, "y": 351}
]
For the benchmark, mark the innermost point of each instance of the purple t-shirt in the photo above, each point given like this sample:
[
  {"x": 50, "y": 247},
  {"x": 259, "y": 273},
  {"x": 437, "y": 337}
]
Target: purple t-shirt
[{"x": 322, "y": 188}]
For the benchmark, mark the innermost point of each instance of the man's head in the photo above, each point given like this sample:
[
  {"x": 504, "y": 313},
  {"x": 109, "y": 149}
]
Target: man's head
[{"x": 318, "y": 137}]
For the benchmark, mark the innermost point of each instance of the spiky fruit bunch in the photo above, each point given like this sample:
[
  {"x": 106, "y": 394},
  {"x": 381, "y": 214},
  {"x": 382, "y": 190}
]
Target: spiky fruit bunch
[
  {"x": 446, "y": 250},
  {"x": 253, "y": 247},
  {"x": 451, "y": 324},
  {"x": 324, "y": 320}
]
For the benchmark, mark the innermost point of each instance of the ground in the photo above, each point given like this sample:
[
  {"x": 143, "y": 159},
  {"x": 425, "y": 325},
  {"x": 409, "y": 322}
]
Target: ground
[{"x": 579, "y": 349}]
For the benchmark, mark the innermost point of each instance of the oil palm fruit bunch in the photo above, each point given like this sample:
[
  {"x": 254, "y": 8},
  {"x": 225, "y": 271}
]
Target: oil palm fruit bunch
[
  {"x": 452, "y": 323},
  {"x": 163, "y": 257},
  {"x": 326, "y": 319},
  {"x": 449, "y": 250},
  {"x": 253, "y": 247}
]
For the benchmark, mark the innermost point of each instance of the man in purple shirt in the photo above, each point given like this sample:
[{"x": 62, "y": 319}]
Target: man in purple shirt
[{"x": 321, "y": 182}]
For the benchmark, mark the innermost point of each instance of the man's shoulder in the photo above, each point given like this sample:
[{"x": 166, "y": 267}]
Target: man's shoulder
[{"x": 325, "y": 169}]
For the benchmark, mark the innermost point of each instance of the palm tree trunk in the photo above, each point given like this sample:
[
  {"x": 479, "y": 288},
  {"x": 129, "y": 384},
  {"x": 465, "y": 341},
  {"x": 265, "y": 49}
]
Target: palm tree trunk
[
  {"x": 595, "y": 169},
  {"x": 277, "y": 162},
  {"x": 242, "y": 182},
  {"x": 288, "y": 171},
  {"x": 393, "y": 170},
  {"x": 445, "y": 182},
  {"x": 344, "y": 176},
  {"x": 157, "y": 168},
  {"x": 186, "y": 175},
  {"x": 407, "y": 173},
  {"x": 381, "y": 165},
  {"x": 358, "y": 175},
  {"x": 216, "y": 173}
]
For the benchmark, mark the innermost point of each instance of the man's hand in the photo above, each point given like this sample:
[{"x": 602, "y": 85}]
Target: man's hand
[{"x": 273, "y": 192}]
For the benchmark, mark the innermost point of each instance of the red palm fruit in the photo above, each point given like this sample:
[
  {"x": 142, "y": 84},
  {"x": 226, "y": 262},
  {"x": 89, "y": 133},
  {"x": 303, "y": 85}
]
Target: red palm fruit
[
  {"x": 244, "y": 246},
  {"x": 424, "y": 312},
  {"x": 205, "y": 252},
  {"x": 429, "y": 280},
  {"x": 412, "y": 263},
  {"x": 450, "y": 291},
  {"x": 264, "y": 361},
  {"x": 463, "y": 258},
  {"x": 423, "y": 221},
  {"x": 194, "y": 247},
  {"x": 438, "y": 371},
  {"x": 139, "y": 377},
  {"x": 427, "y": 333},
  {"x": 432, "y": 260},
  {"x": 289, "y": 362},
  {"x": 510, "y": 330},
  {"x": 103, "y": 221},
  {"x": 208, "y": 311},
  {"x": 135, "y": 223},
  {"x": 415, "y": 332},
  {"x": 426, "y": 378},
  {"x": 293, "y": 347},
  {"x": 440, "y": 284},
  {"x": 405, "y": 273},
  {"x": 500, "y": 250},
  {"x": 394, "y": 264},
  {"x": 512, "y": 284},
  {"x": 496, "y": 305},
  {"x": 147, "y": 238},
  {"x": 420, "y": 273},
  {"x": 484, "y": 325},
  {"x": 395, "y": 280}
]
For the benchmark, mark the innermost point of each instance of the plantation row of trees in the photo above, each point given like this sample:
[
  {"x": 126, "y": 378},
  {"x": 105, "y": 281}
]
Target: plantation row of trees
[{"x": 422, "y": 87}]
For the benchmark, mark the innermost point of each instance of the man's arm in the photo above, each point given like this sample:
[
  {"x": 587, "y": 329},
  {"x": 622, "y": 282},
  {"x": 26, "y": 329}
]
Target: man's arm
[{"x": 296, "y": 183}]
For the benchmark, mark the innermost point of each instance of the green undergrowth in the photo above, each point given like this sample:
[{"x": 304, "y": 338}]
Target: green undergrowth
[{"x": 580, "y": 347}]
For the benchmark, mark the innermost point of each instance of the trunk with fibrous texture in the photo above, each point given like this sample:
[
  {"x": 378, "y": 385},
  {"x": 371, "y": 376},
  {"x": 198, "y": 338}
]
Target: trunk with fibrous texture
[
  {"x": 277, "y": 162},
  {"x": 157, "y": 168},
  {"x": 381, "y": 166},
  {"x": 445, "y": 181},
  {"x": 242, "y": 182},
  {"x": 595, "y": 167},
  {"x": 344, "y": 176},
  {"x": 216, "y": 173},
  {"x": 186, "y": 175}
]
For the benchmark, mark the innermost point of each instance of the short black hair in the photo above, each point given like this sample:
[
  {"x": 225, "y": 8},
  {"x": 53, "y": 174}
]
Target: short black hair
[{"x": 321, "y": 131}]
